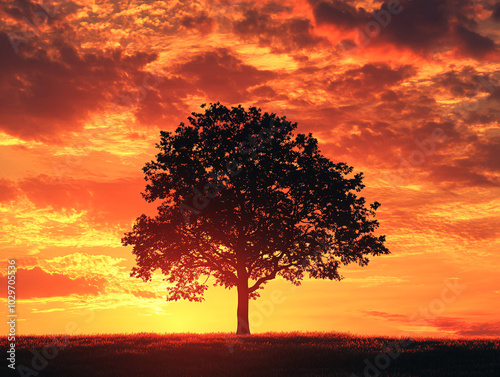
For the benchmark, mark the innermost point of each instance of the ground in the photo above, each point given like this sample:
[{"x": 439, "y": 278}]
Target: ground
[{"x": 271, "y": 354}]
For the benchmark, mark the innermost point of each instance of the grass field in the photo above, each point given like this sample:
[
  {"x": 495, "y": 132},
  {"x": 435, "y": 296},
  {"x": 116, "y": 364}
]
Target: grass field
[{"x": 273, "y": 354}]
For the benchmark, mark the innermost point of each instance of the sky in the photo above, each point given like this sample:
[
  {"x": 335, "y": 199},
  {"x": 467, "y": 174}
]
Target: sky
[{"x": 407, "y": 92}]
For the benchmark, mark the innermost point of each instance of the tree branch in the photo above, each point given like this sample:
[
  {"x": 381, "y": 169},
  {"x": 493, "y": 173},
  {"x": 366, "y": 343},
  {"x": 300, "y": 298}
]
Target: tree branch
[{"x": 263, "y": 279}]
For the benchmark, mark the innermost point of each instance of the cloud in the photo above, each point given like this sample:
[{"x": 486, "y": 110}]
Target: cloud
[
  {"x": 26, "y": 9},
  {"x": 69, "y": 213},
  {"x": 222, "y": 76},
  {"x": 338, "y": 12},
  {"x": 202, "y": 22},
  {"x": 36, "y": 282},
  {"x": 456, "y": 326},
  {"x": 376, "y": 280},
  {"x": 459, "y": 176},
  {"x": 405, "y": 129},
  {"x": 462, "y": 328},
  {"x": 422, "y": 25},
  {"x": 467, "y": 82},
  {"x": 108, "y": 269},
  {"x": 496, "y": 12},
  {"x": 474, "y": 44},
  {"x": 81, "y": 274},
  {"x": 105, "y": 201},
  {"x": 388, "y": 316},
  {"x": 281, "y": 35},
  {"x": 425, "y": 26},
  {"x": 372, "y": 78},
  {"x": 8, "y": 190},
  {"x": 165, "y": 103},
  {"x": 46, "y": 93}
]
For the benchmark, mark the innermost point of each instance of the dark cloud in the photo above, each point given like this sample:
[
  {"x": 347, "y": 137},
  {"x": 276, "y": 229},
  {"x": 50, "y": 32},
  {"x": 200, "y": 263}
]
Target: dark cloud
[
  {"x": 222, "y": 76},
  {"x": 33, "y": 12},
  {"x": 406, "y": 130},
  {"x": 373, "y": 140},
  {"x": 458, "y": 176},
  {"x": 43, "y": 95},
  {"x": 424, "y": 26},
  {"x": 418, "y": 25},
  {"x": 287, "y": 35},
  {"x": 462, "y": 328},
  {"x": 483, "y": 154},
  {"x": 35, "y": 283},
  {"x": 424, "y": 147},
  {"x": 474, "y": 44},
  {"x": 388, "y": 316},
  {"x": 265, "y": 91},
  {"x": 464, "y": 83},
  {"x": 203, "y": 23},
  {"x": 457, "y": 326},
  {"x": 369, "y": 79},
  {"x": 496, "y": 12},
  {"x": 161, "y": 100},
  {"x": 338, "y": 12},
  {"x": 275, "y": 7}
]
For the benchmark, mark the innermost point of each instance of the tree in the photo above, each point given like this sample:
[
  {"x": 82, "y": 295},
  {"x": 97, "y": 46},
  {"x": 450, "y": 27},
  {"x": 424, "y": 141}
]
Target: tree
[{"x": 244, "y": 200}]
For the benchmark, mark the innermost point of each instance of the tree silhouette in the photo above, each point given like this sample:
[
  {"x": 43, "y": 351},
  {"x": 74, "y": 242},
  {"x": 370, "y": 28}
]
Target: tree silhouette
[{"x": 244, "y": 200}]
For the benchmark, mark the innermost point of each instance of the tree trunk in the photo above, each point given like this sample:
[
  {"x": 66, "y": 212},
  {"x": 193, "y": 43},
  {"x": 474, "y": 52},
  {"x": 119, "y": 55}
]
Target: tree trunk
[
  {"x": 242, "y": 286},
  {"x": 242, "y": 312}
]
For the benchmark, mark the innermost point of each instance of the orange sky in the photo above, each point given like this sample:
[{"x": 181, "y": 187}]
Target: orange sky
[{"x": 86, "y": 86}]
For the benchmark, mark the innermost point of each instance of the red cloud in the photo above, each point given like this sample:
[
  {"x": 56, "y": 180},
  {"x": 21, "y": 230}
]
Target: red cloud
[
  {"x": 34, "y": 283},
  {"x": 424, "y": 26},
  {"x": 203, "y": 23},
  {"x": 118, "y": 200},
  {"x": 369, "y": 79},
  {"x": 459, "y": 327},
  {"x": 43, "y": 95},
  {"x": 222, "y": 76},
  {"x": 462, "y": 328},
  {"x": 289, "y": 35},
  {"x": 8, "y": 190}
]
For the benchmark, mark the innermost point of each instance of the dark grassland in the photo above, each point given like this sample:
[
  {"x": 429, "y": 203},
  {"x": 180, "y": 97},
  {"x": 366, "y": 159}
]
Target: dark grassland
[{"x": 272, "y": 354}]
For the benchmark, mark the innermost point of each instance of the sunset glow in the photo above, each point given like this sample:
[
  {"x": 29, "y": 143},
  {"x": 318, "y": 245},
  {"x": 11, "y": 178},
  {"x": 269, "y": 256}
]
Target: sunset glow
[{"x": 413, "y": 102}]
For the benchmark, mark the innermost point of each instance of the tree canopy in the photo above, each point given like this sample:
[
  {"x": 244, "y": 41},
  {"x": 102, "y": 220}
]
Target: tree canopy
[{"x": 243, "y": 200}]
